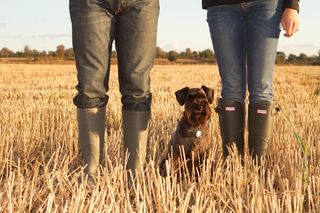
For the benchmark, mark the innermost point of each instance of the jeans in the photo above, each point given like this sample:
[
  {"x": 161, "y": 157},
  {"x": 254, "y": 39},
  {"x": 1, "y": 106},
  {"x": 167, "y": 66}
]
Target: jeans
[
  {"x": 132, "y": 24},
  {"x": 245, "y": 39}
]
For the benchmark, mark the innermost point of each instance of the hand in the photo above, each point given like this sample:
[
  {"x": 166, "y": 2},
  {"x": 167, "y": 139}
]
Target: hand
[{"x": 290, "y": 21}]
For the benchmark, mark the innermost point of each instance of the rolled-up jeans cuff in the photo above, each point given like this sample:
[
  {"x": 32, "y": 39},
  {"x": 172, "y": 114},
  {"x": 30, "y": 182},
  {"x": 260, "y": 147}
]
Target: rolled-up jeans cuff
[
  {"x": 82, "y": 101},
  {"x": 141, "y": 104}
]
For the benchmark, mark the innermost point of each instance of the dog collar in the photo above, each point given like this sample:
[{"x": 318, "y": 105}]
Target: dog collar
[{"x": 198, "y": 134}]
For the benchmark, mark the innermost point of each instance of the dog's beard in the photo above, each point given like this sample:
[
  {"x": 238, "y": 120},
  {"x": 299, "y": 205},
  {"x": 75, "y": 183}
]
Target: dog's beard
[{"x": 195, "y": 117}]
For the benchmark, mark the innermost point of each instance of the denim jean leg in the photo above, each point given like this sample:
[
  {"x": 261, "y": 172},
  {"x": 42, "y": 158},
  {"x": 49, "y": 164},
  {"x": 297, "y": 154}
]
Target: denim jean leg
[
  {"x": 263, "y": 22},
  {"x": 227, "y": 29},
  {"x": 135, "y": 39},
  {"x": 92, "y": 33}
]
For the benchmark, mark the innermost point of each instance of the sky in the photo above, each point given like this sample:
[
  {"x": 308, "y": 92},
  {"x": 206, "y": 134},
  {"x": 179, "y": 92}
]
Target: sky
[{"x": 44, "y": 24}]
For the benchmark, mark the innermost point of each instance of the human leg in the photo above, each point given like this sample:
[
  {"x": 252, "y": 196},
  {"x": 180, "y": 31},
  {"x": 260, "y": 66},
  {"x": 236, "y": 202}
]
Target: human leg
[
  {"x": 227, "y": 28},
  {"x": 136, "y": 44},
  {"x": 92, "y": 33},
  {"x": 263, "y": 22}
]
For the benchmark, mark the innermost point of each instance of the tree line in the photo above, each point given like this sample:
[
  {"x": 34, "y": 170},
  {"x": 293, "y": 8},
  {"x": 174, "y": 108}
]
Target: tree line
[
  {"x": 301, "y": 59},
  {"x": 205, "y": 56},
  {"x": 60, "y": 53}
]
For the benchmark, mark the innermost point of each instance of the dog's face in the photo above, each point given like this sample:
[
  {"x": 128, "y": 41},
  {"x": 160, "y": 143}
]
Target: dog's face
[{"x": 196, "y": 102}]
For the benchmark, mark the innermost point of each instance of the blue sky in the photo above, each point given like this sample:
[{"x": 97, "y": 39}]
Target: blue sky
[{"x": 43, "y": 24}]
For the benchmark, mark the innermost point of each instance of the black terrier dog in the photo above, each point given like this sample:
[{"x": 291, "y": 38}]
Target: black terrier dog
[{"x": 192, "y": 136}]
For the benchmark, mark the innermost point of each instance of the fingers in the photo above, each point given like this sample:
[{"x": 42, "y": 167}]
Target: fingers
[
  {"x": 283, "y": 24},
  {"x": 290, "y": 29},
  {"x": 289, "y": 26},
  {"x": 290, "y": 22},
  {"x": 297, "y": 28}
]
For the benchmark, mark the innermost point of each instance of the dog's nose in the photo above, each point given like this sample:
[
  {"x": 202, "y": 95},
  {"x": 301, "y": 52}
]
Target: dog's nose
[{"x": 199, "y": 107}]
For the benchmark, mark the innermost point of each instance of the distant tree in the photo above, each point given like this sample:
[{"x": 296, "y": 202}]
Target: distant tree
[
  {"x": 189, "y": 53},
  {"x": 27, "y": 51},
  {"x": 5, "y": 52},
  {"x": 313, "y": 59},
  {"x": 19, "y": 54},
  {"x": 44, "y": 53},
  {"x": 61, "y": 51},
  {"x": 292, "y": 59},
  {"x": 182, "y": 54},
  {"x": 52, "y": 54},
  {"x": 317, "y": 62},
  {"x": 303, "y": 58},
  {"x": 280, "y": 58},
  {"x": 207, "y": 54},
  {"x": 172, "y": 55},
  {"x": 195, "y": 54},
  {"x": 69, "y": 53},
  {"x": 160, "y": 53},
  {"x": 35, "y": 53}
]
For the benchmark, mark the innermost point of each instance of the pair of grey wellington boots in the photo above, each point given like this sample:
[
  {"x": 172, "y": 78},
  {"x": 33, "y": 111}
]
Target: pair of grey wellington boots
[
  {"x": 91, "y": 126},
  {"x": 232, "y": 126}
]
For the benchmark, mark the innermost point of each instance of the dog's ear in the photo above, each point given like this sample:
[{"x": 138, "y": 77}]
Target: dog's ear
[
  {"x": 209, "y": 92},
  {"x": 181, "y": 95}
]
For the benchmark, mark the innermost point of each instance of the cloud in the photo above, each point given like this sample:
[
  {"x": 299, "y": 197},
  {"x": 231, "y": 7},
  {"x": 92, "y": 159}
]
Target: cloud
[
  {"x": 307, "y": 48},
  {"x": 51, "y": 36},
  {"x": 169, "y": 46},
  {"x": 10, "y": 36},
  {"x": 44, "y": 36}
]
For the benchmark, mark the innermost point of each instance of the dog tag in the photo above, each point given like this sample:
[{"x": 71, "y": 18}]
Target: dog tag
[{"x": 198, "y": 134}]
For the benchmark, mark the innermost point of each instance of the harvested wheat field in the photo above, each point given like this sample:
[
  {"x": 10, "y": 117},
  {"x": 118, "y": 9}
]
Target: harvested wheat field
[{"x": 40, "y": 164}]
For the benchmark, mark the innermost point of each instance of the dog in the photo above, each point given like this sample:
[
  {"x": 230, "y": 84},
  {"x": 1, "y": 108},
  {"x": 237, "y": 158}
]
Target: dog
[{"x": 193, "y": 134}]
